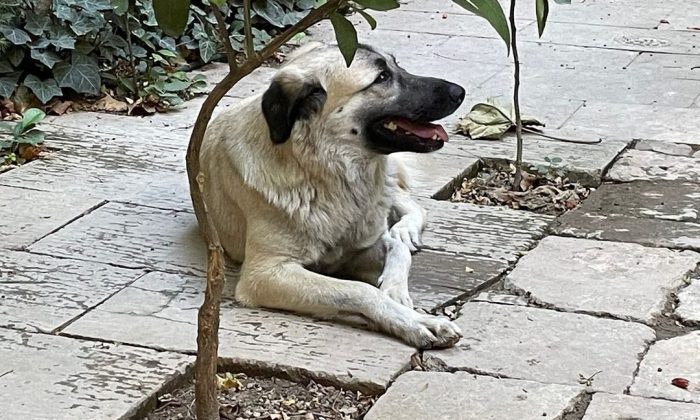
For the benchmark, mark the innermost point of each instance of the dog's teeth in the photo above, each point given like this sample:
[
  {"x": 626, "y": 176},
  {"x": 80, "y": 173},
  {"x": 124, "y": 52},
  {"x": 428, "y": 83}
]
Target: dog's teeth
[
  {"x": 390, "y": 126},
  {"x": 435, "y": 137}
]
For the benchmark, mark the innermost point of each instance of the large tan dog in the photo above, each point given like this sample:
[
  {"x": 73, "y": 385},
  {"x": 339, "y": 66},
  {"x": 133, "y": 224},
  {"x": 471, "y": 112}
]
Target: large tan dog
[{"x": 303, "y": 191}]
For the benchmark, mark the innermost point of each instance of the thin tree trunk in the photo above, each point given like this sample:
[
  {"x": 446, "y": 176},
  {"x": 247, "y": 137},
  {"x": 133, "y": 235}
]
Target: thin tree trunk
[
  {"x": 207, "y": 405},
  {"x": 516, "y": 100}
]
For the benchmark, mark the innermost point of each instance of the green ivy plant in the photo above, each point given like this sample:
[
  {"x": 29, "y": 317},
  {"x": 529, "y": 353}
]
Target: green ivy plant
[{"x": 23, "y": 133}]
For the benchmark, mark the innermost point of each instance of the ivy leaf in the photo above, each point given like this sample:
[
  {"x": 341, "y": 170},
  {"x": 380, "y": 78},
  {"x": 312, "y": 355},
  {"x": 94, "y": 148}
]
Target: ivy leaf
[
  {"x": 6, "y": 67},
  {"x": 15, "y": 55},
  {"x": 172, "y": 15},
  {"x": 84, "y": 23},
  {"x": 370, "y": 20},
  {"x": 346, "y": 36},
  {"x": 207, "y": 49},
  {"x": 380, "y": 5},
  {"x": 270, "y": 11},
  {"x": 562, "y": 1},
  {"x": 120, "y": 6},
  {"x": 44, "y": 90},
  {"x": 37, "y": 24},
  {"x": 81, "y": 74},
  {"x": 541, "y": 11},
  {"x": 59, "y": 37},
  {"x": 47, "y": 58},
  {"x": 8, "y": 84},
  {"x": 32, "y": 137},
  {"x": 491, "y": 11},
  {"x": 15, "y": 35}
]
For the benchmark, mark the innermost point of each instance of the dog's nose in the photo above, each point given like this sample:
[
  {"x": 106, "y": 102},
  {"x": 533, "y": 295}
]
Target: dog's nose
[{"x": 456, "y": 93}]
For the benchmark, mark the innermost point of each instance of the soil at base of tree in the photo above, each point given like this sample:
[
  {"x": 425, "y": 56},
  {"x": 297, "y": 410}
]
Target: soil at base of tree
[{"x": 243, "y": 397}]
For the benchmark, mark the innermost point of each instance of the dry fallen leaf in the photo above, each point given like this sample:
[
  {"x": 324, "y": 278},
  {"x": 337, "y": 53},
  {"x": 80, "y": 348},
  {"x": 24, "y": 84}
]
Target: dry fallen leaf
[
  {"x": 228, "y": 381},
  {"x": 59, "y": 107},
  {"x": 29, "y": 152},
  {"x": 109, "y": 104}
]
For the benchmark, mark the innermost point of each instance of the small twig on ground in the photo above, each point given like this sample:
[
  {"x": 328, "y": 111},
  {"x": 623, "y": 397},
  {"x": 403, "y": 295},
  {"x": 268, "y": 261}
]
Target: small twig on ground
[
  {"x": 7, "y": 373},
  {"x": 588, "y": 381}
]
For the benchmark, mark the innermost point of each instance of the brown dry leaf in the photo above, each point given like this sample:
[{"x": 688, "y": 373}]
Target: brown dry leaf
[
  {"x": 59, "y": 107},
  {"x": 109, "y": 104},
  {"x": 680, "y": 383},
  {"x": 141, "y": 108},
  {"x": 29, "y": 152},
  {"x": 228, "y": 381}
]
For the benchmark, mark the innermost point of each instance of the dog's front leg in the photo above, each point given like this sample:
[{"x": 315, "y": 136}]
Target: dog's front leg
[
  {"x": 411, "y": 220},
  {"x": 289, "y": 286},
  {"x": 397, "y": 264}
]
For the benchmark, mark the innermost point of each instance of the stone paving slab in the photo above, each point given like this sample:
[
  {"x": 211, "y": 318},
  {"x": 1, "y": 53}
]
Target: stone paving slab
[
  {"x": 131, "y": 236},
  {"x": 546, "y": 346},
  {"x": 645, "y": 165},
  {"x": 668, "y": 359},
  {"x": 437, "y": 277},
  {"x": 583, "y": 163},
  {"x": 43, "y": 293},
  {"x": 678, "y": 66},
  {"x": 641, "y": 85},
  {"x": 494, "y": 232},
  {"x": 29, "y": 215},
  {"x": 160, "y": 311},
  {"x": 652, "y": 122},
  {"x": 613, "y": 407},
  {"x": 437, "y": 395},
  {"x": 688, "y": 309},
  {"x": 54, "y": 377},
  {"x": 626, "y": 281},
  {"x": 437, "y": 173},
  {"x": 615, "y": 37},
  {"x": 676, "y": 149}
]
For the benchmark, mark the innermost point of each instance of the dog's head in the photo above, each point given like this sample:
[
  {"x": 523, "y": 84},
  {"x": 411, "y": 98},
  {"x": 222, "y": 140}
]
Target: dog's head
[{"x": 374, "y": 103}]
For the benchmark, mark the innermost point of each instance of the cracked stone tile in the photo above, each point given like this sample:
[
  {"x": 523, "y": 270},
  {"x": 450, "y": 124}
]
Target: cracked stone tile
[
  {"x": 688, "y": 309},
  {"x": 131, "y": 236},
  {"x": 29, "y": 215},
  {"x": 160, "y": 310},
  {"x": 615, "y": 37},
  {"x": 55, "y": 377},
  {"x": 638, "y": 165},
  {"x": 437, "y": 277},
  {"x": 609, "y": 407},
  {"x": 583, "y": 163},
  {"x": 440, "y": 395},
  {"x": 435, "y": 173},
  {"x": 676, "y": 357},
  {"x": 666, "y": 148},
  {"x": 494, "y": 232},
  {"x": 500, "y": 298},
  {"x": 546, "y": 346},
  {"x": 629, "y": 121},
  {"x": 42, "y": 293},
  {"x": 624, "y": 280}
]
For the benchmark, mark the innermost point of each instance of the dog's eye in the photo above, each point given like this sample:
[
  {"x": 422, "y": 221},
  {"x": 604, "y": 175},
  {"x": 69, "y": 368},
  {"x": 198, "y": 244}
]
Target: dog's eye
[{"x": 383, "y": 77}]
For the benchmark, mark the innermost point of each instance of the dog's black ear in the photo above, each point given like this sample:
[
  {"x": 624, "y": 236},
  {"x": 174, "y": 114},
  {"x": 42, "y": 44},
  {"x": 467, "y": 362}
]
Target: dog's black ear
[{"x": 285, "y": 102}]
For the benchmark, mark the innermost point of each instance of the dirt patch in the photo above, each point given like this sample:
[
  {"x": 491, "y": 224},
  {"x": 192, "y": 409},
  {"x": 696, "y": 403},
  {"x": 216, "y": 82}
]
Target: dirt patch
[
  {"x": 244, "y": 397},
  {"x": 540, "y": 192}
]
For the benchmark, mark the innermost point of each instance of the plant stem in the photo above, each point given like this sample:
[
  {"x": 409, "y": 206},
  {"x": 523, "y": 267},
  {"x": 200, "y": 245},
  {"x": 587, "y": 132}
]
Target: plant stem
[
  {"x": 132, "y": 60},
  {"x": 207, "y": 405},
  {"x": 516, "y": 100},
  {"x": 249, "y": 48},
  {"x": 224, "y": 35}
]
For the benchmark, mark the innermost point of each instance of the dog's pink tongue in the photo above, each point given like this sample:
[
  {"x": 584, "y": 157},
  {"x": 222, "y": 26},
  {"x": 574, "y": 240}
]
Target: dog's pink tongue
[{"x": 422, "y": 130}]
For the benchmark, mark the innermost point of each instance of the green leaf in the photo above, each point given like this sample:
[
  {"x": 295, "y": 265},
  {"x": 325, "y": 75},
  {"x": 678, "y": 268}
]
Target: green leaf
[
  {"x": 491, "y": 11},
  {"x": 16, "y": 55},
  {"x": 32, "y": 137},
  {"x": 81, "y": 74},
  {"x": 60, "y": 37},
  {"x": 172, "y": 15},
  {"x": 345, "y": 35},
  {"x": 217, "y": 3},
  {"x": 6, "y": 67},
  {"x": 562, "y": 1},
  {"x": 8, "y": 84},
  {"x": 44, "y": 90},
  {"x": 30, "y": 118},
  {"x": 176, "y": 86},
  {"x": 270, "y": 11},
  {"x": 47, "y": 58},
  {"x": 15, "y": 35},
  {"x": 167, "y": 53},
  {"x": 84, "y": 24},
  {"x": 207, "y": 49},
  {"x": 381, "y": 5},
  {"x": 37, "y": 24},
  {"x": 6, "y": 127},
  {"x": 120, "y": 6},
  {"x": 369, "y": 19},
  {"x": 541, "y": 10}
]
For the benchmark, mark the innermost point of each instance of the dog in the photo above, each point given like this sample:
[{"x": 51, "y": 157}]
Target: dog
[{"x": 305, "y": 193}]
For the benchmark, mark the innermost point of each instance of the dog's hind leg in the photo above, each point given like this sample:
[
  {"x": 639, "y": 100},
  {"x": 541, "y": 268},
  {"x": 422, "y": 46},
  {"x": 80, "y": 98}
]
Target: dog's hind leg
[{"x": 280, "y": 284}]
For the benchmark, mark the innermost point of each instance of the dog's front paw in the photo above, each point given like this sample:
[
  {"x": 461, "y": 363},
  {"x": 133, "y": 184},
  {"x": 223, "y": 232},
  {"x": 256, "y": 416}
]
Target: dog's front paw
[
  {"x": 433, "y": 332},
  {"x": 397, "y": 293},
  {"x": 408, "y": 232}
]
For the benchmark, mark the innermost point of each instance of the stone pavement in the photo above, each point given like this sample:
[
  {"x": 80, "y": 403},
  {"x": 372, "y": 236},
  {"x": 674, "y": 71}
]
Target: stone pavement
[{"x": 101, "y": 266}]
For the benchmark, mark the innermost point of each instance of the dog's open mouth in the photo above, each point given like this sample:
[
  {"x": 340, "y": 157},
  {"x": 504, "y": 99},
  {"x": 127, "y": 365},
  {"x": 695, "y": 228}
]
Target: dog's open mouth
[{"x": 421, "y": 130}]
